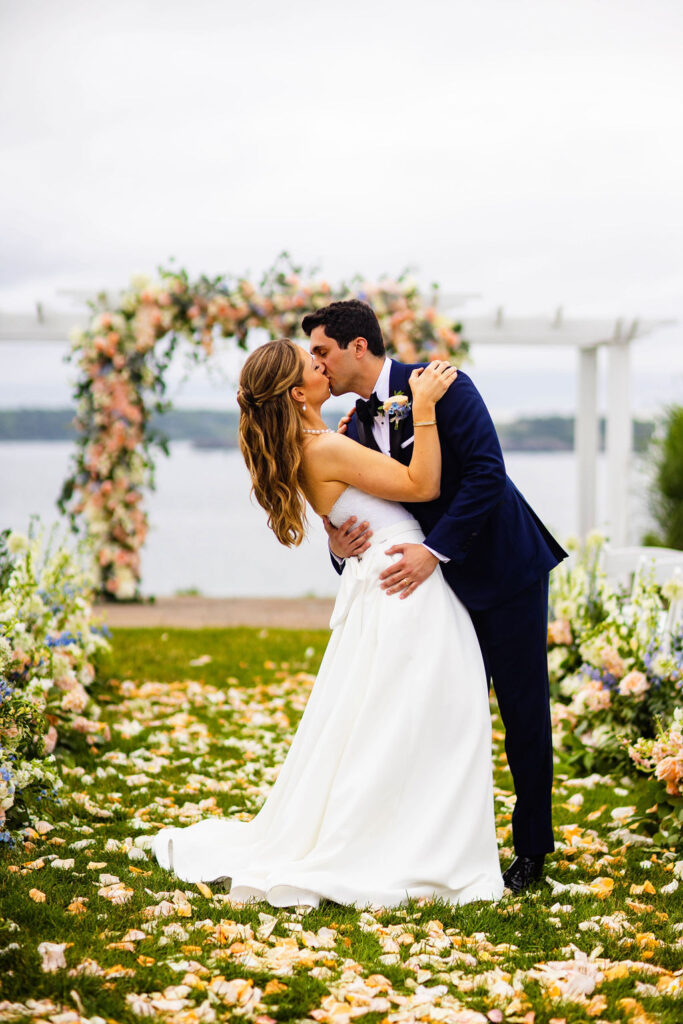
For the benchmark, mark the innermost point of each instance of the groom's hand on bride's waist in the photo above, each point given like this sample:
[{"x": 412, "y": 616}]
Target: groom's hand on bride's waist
[
  {"x": 348, "y": 539},
  {"x": 405, "y": 576}
]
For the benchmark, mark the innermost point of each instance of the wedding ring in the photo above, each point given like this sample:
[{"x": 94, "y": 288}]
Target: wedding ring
[{"x": 405, "y": 582}]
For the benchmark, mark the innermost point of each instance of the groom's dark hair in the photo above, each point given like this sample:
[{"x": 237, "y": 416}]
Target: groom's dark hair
[{"x": 344, "y": 321}]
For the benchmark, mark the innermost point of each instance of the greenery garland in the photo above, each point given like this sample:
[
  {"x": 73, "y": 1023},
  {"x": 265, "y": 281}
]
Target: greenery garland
[{"x": 123, "y": 355}]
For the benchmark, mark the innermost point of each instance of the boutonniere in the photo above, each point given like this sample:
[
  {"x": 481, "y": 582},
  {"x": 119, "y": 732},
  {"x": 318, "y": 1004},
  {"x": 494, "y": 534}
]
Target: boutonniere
[{"x": 397, "y": 408}]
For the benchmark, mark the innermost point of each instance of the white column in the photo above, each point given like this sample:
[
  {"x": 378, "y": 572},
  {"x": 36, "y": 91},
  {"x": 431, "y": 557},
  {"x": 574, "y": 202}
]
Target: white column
[
  {"x": 619, "y": 439},
  {"x": 586, "y": 438}
]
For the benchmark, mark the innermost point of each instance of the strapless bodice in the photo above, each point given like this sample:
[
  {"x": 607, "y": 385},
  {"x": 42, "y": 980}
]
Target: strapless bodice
[{"x": 378, "y": 512}]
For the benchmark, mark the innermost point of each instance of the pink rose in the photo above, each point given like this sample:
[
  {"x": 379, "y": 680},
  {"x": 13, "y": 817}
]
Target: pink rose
[{"x": 50, "y": 741}]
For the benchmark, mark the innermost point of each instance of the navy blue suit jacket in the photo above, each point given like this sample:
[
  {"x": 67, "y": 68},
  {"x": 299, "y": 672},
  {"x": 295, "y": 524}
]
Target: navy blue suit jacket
[{"x": 496, "y": 543}]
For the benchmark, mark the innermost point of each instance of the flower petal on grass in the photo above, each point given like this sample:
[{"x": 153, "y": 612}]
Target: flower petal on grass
[
  {"x": 117, "y": 893},
  {"x": 78, "y": 906},
  {"x": 52, "y": 956},
  {"x": 601, "y": 887}
]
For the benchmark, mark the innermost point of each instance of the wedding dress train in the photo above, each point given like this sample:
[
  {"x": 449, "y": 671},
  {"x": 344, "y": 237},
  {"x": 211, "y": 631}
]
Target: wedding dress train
[{"x": 386, "y": 792}]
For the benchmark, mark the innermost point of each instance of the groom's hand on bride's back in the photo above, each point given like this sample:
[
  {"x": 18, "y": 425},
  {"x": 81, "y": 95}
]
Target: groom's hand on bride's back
[
  {"x": 348, "y": 539},
  {"x": 343, "y": 424}
]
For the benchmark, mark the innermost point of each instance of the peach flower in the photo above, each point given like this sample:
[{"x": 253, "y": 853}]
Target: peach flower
[
  {"x": 634, "y": 684},
  {"x": 612, "y": 662},
  {"x": 50, "y": 741},
  {"x": 559, "y": 632},
  {"x": 596, "y": 697},
  {"x": 76, "y": 699},
  {"x": 670, "y": 770}
]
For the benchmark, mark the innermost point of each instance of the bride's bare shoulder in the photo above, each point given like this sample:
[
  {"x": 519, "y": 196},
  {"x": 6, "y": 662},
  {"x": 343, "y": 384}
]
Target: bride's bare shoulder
[{"x": 325, "y": 445}]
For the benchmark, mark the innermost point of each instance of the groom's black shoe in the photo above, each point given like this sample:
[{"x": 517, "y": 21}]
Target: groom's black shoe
[{"x": 523, "y": 873}]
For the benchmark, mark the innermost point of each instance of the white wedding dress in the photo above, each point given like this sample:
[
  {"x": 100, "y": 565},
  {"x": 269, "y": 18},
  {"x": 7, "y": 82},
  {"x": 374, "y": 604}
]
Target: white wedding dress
[{"x": 387, "y": 791}]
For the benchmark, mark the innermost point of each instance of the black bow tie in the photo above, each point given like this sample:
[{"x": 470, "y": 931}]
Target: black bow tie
[{"x": 367, "y": 411}]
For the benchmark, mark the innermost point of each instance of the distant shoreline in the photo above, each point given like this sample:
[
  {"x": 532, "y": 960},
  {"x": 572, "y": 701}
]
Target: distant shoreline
[{"x": 209, "y": 429}]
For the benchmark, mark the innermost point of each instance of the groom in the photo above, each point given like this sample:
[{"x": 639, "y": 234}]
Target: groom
[{"x": 494, "y": 551}]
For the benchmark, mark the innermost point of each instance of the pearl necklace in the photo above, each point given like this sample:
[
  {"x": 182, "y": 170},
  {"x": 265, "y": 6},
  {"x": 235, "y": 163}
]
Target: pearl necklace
[{"x": 325, "y": 431}]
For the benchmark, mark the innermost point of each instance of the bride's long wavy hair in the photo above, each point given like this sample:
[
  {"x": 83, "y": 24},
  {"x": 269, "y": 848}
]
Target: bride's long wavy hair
[{"x": 271, "y": 437}]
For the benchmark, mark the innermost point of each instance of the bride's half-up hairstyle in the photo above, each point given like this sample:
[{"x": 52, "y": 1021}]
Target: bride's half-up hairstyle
[{"x": 271, "y": 437}]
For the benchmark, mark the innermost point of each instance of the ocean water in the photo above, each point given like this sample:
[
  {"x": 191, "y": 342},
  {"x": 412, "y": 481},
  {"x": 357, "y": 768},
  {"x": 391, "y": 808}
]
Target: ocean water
[{"x": 207, "y": 533}]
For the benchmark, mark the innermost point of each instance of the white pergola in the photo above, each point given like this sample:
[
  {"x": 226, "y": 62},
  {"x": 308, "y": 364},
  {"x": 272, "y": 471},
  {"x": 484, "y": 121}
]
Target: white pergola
[{"x": 585, "y": 336}]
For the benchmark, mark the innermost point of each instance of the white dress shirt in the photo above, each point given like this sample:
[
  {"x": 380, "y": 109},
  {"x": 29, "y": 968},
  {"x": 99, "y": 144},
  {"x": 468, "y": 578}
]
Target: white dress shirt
[
  {"x": 380, "y": 425},
  {"x": 380, "y": 430}
]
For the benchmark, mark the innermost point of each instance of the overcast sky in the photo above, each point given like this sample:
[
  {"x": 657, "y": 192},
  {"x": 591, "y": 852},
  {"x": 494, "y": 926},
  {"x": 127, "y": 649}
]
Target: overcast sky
[{"x": 530, "y": 153}]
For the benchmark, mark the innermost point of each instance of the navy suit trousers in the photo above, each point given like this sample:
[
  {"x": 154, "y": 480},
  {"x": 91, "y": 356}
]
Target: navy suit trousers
[{"x": 513, "y": 640}]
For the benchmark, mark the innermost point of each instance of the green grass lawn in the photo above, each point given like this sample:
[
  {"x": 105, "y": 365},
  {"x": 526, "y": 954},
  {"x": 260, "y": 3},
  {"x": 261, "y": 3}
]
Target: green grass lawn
[{"x": 189, "y": 741}]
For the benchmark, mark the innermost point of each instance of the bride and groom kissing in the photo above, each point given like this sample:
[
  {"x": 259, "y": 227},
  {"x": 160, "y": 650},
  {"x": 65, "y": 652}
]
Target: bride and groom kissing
[{"x": 387, "y": 791}]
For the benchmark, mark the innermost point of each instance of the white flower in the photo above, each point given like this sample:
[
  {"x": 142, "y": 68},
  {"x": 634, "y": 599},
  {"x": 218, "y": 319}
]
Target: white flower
[
  {"x": 673, "y": 589},
  {"x": 6, "y": 794},
  {"x": 36, "y": 606},
  {"x": 556, "y": 658},
  {"x": 663, "y": 666},
  {"x": 127, "y": 582},
  {"x": 601, "y": 736},
  {"x": 17, "y": 543},
  {"x": 140, "y": 281},
  {"x": 591, "y": 651},
  {"x": 5, "y": 651},
  {"x": 571, "y": 685},
  {"x": 566, "y": 609}
]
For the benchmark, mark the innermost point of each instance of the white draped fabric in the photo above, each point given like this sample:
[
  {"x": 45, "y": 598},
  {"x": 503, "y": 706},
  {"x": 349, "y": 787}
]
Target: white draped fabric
[{"x": 387, "y": 790}]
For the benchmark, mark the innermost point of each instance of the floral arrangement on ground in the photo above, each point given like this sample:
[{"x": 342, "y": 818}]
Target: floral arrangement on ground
[
  {"x": 616, "y": 668},
  {"x": 48, "y": 638}
]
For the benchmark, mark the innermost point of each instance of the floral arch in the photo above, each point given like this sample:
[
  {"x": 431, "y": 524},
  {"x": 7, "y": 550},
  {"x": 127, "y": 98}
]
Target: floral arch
[{"x": 124, "y": 352}]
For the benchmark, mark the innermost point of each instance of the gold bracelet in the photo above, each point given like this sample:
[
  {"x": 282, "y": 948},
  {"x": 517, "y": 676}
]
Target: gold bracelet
[{"x": 425, "y": 423}]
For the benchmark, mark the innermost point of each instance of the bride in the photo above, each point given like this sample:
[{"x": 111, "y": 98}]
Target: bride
[{"x": 386, "y": 793}]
